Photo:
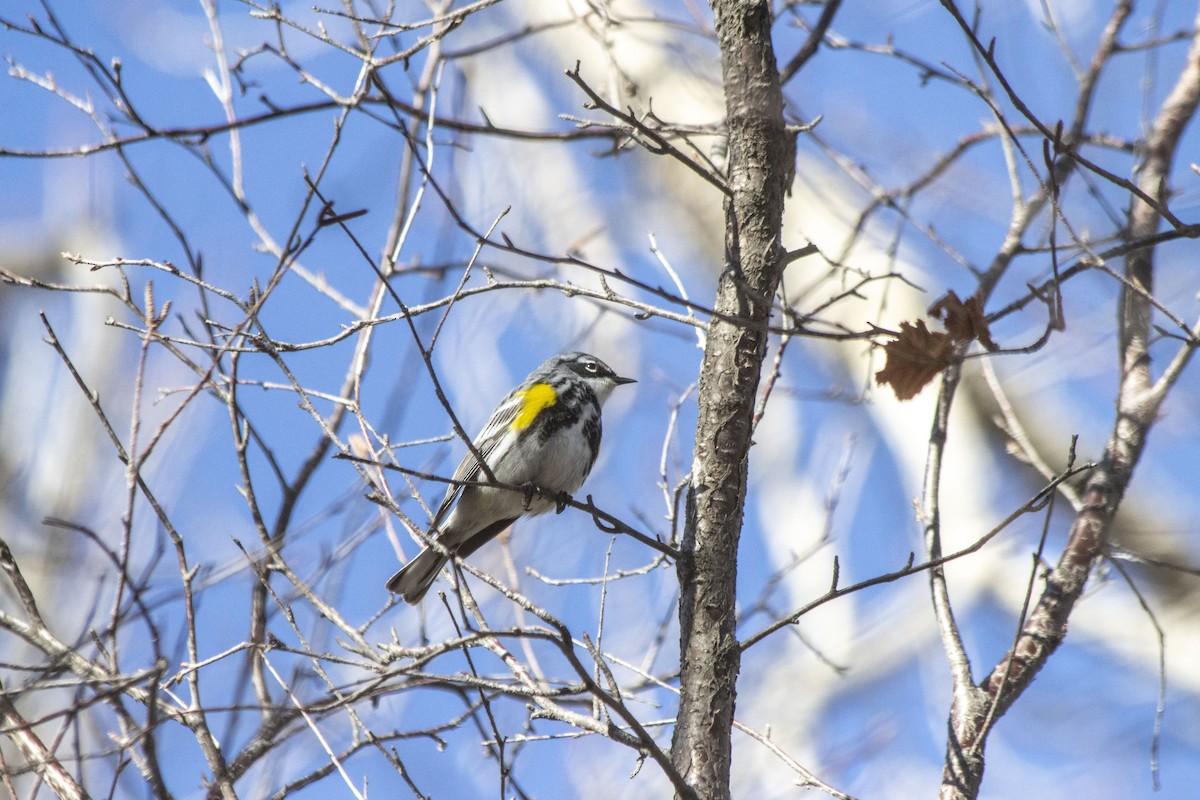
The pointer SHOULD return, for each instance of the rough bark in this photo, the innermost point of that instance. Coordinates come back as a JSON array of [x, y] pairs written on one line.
[[1138, 402], [733, 356]]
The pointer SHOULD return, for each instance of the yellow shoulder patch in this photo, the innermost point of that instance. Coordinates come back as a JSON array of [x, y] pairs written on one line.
[[533, 400]]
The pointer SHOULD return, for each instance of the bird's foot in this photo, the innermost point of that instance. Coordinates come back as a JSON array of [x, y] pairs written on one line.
[[561, 499], [530, 490]]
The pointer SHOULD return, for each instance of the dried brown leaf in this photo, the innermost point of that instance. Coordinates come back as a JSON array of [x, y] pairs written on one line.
[[964, 321], [914, 358]]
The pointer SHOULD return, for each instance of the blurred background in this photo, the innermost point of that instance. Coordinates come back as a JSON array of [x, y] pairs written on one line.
[[117, 146]]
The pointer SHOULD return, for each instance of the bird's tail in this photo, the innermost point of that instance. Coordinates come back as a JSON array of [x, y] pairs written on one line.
[[414, 580]]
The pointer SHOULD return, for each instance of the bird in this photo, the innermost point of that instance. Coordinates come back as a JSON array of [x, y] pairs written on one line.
[[543, 437]]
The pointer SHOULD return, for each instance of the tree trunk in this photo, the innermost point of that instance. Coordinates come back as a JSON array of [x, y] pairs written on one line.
[[733, 356]]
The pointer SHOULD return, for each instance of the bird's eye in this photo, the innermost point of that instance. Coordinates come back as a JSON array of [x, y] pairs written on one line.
[[591, 367]]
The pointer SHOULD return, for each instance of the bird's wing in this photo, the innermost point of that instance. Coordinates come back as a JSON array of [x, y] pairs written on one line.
[[485, 443]]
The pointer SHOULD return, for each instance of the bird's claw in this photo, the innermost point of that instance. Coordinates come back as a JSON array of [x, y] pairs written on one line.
[[561, 500]]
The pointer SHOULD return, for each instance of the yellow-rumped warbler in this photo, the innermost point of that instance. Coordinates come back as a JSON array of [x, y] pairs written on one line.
[[544, 434]]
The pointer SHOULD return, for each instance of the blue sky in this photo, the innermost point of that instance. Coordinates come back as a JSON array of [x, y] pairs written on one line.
[[859, 691]]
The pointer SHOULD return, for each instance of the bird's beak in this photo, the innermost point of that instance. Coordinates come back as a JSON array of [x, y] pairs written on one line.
[[618, 380]]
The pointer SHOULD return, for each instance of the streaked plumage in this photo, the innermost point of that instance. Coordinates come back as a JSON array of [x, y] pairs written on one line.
[[545, 432]]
